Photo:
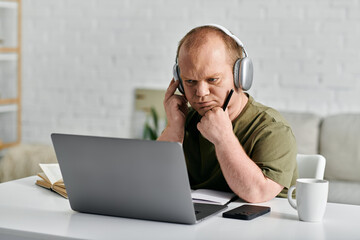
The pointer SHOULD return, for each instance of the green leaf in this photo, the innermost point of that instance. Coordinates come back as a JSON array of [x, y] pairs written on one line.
[[155, 117], [146, 134], [153, 134]]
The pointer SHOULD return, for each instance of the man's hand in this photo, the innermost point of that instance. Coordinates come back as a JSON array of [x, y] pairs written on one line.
[[242, 174], [176, 110], [216, 125]]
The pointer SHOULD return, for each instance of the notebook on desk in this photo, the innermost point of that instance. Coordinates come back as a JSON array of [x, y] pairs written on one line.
[[128, 178]]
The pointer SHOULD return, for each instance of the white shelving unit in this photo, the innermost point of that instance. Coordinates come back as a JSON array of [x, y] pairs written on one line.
[[10, 73]]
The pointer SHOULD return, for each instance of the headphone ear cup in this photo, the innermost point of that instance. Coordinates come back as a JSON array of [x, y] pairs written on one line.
[[181, 87], [236, 73], [243, 73], [176, 74]]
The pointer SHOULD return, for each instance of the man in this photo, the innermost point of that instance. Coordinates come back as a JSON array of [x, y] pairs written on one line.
[[248, 148]]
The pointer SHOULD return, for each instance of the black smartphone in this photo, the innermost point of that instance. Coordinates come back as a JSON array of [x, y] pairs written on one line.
[[246, 212]]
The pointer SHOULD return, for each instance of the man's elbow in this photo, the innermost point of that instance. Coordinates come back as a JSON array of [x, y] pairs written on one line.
[[260, 195], [258, 198]]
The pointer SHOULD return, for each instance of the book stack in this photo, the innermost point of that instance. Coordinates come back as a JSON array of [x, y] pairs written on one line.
[[51, 179]]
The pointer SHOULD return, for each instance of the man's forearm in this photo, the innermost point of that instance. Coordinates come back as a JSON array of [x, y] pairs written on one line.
[[171, 135], [243, 176]]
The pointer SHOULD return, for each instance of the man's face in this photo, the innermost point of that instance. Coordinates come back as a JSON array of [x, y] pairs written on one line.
[[207, 75]]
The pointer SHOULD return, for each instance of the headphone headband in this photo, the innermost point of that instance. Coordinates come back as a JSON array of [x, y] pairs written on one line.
[[227, 32]]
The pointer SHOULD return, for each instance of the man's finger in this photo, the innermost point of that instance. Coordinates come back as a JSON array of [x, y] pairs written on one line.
[[171, 89], [227, 112]]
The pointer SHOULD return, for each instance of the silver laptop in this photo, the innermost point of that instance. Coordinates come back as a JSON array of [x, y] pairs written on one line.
[[128, 178]]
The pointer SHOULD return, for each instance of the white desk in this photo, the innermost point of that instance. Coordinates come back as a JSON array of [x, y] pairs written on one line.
[[31, 212]]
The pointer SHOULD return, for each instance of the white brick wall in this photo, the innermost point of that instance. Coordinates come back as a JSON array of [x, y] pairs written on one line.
[[82, 59]]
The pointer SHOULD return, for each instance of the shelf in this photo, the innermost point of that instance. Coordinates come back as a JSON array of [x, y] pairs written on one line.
[[8, 108], [8, 50], [8, 57], [8, 4], [7, 145], [7, 101]]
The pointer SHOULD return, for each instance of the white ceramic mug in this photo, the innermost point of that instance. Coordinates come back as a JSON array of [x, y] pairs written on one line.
[[311, 198]]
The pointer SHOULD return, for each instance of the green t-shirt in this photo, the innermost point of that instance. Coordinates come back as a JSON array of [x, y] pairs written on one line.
[[266, 138]]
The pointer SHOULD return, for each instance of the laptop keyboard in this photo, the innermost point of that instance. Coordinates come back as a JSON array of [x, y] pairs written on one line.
[[205, 210]]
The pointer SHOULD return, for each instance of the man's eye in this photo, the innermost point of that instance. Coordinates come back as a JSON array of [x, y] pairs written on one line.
[[213, 79], [189, 81]]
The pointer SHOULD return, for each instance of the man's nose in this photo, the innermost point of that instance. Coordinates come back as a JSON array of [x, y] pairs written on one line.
[[202, 89]]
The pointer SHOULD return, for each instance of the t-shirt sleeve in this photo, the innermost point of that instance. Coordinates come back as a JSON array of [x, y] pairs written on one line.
[[274, 151]]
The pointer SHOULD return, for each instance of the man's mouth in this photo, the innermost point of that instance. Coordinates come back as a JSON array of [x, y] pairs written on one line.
[[205, 104]]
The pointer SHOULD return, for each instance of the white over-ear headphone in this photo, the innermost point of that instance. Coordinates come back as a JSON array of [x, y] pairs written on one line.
[[243, 67]]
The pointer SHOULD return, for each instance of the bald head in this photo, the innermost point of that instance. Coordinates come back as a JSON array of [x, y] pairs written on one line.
[[199, 36]]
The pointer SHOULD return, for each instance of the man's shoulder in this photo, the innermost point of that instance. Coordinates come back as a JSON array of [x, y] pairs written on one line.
[[257, 111], [259, 120]]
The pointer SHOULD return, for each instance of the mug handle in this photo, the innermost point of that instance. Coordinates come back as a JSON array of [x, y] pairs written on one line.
[[290, 199]]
